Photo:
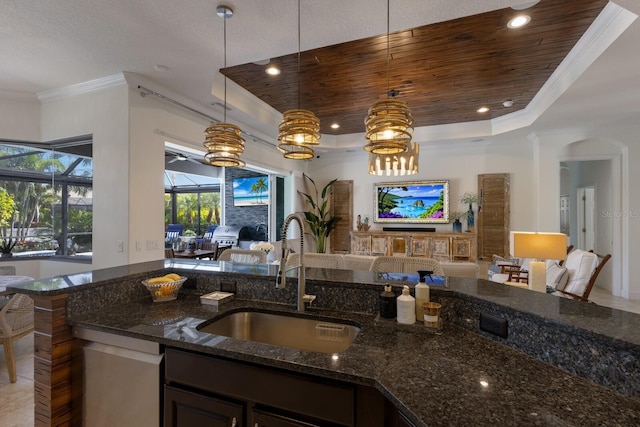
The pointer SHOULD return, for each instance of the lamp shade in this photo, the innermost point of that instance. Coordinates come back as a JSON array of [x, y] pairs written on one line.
[[526, 244]]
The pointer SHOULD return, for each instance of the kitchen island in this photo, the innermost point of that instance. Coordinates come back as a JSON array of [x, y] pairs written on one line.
[[456, 376]]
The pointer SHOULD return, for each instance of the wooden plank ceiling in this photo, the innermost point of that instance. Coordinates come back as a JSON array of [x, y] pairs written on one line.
[[444, 71]]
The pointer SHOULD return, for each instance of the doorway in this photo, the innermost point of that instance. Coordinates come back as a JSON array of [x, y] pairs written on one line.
[[586, 217]]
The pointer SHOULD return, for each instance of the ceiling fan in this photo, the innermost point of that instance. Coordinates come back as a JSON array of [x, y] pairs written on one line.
[[180, 157]]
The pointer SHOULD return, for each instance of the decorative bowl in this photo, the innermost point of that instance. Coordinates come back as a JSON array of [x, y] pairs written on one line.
[[165, 291]]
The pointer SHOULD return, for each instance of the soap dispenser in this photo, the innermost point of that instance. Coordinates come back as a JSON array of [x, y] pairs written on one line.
[[406, 307], [422, 296], [388, 303]]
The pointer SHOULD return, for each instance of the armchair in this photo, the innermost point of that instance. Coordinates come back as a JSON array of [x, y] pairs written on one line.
[[583, 269]]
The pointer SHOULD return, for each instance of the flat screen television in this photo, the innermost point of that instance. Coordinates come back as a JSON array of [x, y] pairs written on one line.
[[412, 202], [251, 191]]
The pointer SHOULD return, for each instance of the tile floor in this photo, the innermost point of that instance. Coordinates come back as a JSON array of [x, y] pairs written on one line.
[[16, 409], [17, 398]]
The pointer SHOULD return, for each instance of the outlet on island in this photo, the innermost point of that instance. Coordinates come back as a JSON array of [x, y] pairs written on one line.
[[494, 325]]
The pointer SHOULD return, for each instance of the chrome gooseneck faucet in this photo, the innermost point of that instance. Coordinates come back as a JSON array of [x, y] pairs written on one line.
[[282, 270]]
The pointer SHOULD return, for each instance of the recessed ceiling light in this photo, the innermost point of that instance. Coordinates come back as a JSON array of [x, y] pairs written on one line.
[[273, 70], [335, 125], [482, 109], [262, 61], [519, 21], [508, 103]]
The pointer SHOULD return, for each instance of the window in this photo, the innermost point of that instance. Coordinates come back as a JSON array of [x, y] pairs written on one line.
[[192, 201], [47, 189]]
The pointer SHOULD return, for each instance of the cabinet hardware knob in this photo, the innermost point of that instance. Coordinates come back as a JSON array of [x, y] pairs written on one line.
[[234, 422]]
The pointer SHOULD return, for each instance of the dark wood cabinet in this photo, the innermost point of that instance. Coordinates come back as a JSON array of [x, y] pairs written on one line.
[[220, 390], [203, 390], [183, 408]]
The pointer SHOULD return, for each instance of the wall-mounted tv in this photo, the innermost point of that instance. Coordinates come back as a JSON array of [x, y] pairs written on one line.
[[251, 191], [412, 202]]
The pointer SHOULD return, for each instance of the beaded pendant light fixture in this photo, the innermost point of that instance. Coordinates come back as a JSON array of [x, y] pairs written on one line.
[[389, 123], [299, 130], [224, 142]]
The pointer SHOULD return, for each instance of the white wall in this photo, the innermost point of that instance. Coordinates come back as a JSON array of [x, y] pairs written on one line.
[[104, 114], [19, 116]]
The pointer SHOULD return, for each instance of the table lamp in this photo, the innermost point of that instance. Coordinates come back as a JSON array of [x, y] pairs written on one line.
[[539, 246]]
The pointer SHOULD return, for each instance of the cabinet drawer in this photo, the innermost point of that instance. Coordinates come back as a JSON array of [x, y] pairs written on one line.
[[311, 396]]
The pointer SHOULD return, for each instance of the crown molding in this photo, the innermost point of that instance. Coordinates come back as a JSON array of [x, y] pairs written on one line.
[[81, 88]]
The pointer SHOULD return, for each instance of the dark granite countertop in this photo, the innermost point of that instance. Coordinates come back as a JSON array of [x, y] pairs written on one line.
[[449, 377], [457, 376]]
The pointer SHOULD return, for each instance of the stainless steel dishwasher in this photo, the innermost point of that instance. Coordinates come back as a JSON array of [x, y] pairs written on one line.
[[121, 380]]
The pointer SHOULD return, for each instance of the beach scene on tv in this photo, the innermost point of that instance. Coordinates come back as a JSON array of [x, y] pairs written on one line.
[[251, 191], [412, 201]]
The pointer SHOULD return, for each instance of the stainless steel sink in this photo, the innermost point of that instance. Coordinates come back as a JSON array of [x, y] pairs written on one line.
[[301, 333]]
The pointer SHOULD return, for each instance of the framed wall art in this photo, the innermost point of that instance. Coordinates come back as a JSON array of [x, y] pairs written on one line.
[[417, 202]]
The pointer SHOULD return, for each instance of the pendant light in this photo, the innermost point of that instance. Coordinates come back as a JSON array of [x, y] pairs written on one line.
[[389, 123], [299, 130], [224, 140]]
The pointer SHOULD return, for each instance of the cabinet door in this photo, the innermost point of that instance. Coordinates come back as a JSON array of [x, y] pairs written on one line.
[[261, 418], [420, 247], [360, 245], [186, 409], [441, 248], [380, 245], [461, 249], [399, 246]]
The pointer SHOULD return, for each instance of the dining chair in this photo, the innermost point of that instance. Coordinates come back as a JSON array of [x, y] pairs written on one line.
[[16, 321], [210, 246], [168, 253]]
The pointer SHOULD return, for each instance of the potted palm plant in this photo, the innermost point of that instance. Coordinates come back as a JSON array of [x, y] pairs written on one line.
[[319, 219]]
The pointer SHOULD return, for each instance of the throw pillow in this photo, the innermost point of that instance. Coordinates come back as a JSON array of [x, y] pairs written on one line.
[[556, 276]]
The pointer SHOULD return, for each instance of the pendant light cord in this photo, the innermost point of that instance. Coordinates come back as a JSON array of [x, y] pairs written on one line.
[[224, 38], [298, 55], [388, 53]]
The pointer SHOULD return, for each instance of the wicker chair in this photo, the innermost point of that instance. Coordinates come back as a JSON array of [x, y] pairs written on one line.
[[245, 256], [392, 264], [318, 260], [16, 321]]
